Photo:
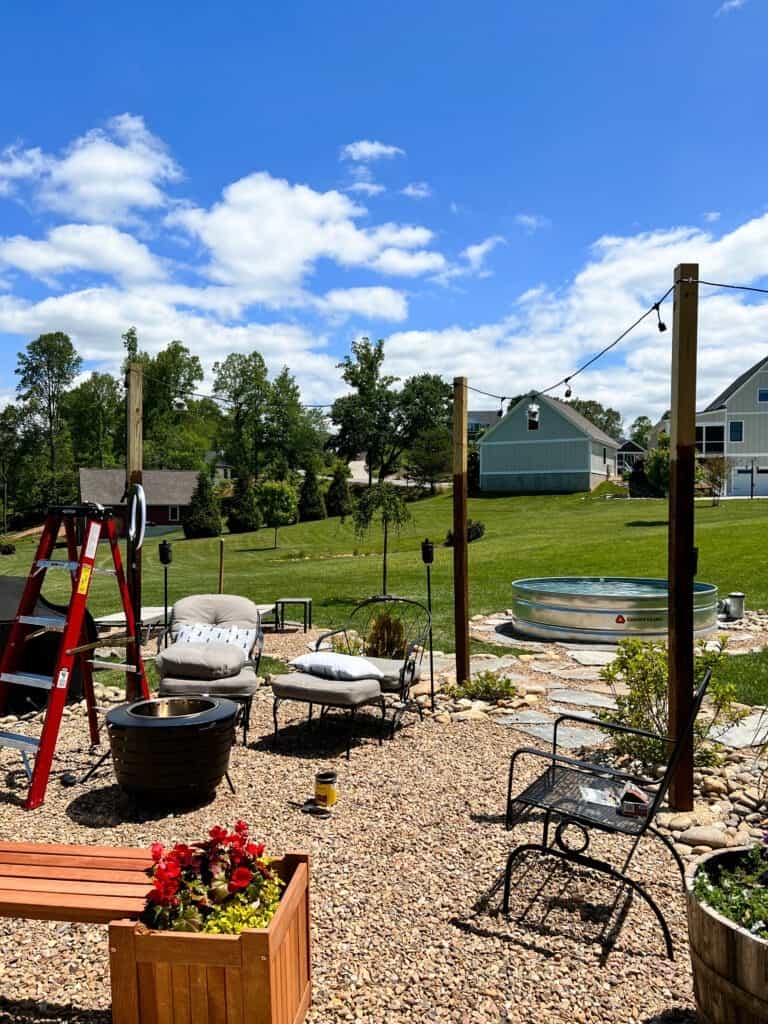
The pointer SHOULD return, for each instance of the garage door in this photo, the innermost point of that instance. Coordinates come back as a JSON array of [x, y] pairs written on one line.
[[741, 482]]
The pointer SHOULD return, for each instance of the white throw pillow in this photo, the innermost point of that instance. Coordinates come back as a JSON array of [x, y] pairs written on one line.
[[330, 665], [205, 634]]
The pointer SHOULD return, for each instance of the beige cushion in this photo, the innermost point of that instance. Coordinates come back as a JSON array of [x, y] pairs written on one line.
[[390, 669], [245, 682], [201, 661], [215, 610], [348, 693]]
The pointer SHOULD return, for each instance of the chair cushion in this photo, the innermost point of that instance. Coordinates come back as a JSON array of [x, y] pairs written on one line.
[[390, 669], [329, 665], [348, 693], [201, 661], [215, 610], [200, 633], [245, 682]]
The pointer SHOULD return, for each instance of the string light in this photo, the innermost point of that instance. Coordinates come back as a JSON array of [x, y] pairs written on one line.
[[568, 388], [661, 325]]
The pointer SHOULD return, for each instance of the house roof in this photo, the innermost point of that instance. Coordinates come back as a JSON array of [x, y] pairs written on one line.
[[628, 445], [585, 425], [722, 398], [161, 486], [486, 417]]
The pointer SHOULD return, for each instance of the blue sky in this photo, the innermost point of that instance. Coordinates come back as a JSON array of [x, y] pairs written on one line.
[[497, 189]]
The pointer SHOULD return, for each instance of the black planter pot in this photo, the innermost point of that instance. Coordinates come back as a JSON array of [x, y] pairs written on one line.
[[174, 750]]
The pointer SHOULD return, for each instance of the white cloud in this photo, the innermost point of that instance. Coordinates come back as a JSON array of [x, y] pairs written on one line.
[[366, 151], [366, 188], [417, 190], [376, 303], [728, 6], [409, 264], [532, 222], [712, 216], [73, 247], [18, 164], [475, 254]]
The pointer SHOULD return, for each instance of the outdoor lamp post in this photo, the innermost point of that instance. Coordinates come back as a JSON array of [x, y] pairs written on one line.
[[165, 551], [428, 557]]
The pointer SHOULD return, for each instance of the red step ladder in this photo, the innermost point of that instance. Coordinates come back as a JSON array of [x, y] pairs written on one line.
[[98, 522]]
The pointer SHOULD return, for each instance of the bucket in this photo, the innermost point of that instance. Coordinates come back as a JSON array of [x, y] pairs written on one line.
[[326, 789], [736, 605]]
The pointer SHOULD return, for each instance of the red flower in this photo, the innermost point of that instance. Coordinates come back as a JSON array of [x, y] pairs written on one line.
[[241, 827], [218, 834], [255, 849], [156, 850], [241, 879]]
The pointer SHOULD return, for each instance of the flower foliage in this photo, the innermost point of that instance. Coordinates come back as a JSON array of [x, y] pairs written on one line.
[[741, 893], [223, 884]]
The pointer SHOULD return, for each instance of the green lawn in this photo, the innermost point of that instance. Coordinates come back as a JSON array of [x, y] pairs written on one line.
[[749, 673], [525, 536]]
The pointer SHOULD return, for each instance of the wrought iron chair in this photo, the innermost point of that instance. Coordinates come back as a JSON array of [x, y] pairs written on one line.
[[396, 651], [559, 792]]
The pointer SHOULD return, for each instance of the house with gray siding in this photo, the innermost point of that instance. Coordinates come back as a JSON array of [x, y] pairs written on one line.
[[544, 446], [734, 426]]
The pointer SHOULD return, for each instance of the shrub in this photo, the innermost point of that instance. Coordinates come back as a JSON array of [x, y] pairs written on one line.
[[484, 686], [311, 504], [244, 515], [202, 518], [386, 637], [741, 893], [475, 531], [643, 667], [338, 500], [7, 549]]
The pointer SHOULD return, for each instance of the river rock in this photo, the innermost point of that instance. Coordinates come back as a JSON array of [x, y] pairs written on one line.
[[704, 835]]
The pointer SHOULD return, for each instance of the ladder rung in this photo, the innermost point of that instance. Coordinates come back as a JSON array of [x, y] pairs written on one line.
[[117, 666], [42, 620], [105, 572], [13, 739], [27, 679], [55, 563]]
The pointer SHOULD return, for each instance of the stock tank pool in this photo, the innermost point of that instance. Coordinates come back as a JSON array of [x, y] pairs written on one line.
[[603, 609]]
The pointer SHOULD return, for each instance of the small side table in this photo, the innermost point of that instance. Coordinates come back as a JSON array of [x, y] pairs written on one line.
[[280, 605]]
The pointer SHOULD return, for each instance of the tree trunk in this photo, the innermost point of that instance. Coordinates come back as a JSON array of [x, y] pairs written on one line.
[[276, 536], [384, 567], [5, 505]]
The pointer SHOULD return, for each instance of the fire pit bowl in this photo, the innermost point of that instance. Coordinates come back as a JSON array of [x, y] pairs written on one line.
[[173, 750]]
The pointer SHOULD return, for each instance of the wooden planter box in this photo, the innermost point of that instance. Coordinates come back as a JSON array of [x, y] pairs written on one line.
[[261, 976], [730, 965]]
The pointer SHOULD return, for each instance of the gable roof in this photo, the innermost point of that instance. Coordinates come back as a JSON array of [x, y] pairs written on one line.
[[582, 424], [485, 417], [628, 445], [162, 486], [722, 398]]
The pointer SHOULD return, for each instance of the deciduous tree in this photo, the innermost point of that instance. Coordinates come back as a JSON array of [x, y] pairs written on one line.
[[385, 503]]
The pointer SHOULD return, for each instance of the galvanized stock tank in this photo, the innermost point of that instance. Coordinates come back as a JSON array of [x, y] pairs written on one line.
[[603, 609]]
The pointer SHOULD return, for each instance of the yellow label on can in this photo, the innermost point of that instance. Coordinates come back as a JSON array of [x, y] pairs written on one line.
[[326, 794], [85, 576]]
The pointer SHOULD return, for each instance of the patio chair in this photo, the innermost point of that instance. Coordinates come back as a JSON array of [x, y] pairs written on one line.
[[560, 792], [390, 633], [215, 650]]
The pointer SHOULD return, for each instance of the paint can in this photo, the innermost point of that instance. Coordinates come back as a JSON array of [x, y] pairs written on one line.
[[326, 789]]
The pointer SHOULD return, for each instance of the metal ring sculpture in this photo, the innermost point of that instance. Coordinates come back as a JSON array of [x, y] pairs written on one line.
[[137, 516]]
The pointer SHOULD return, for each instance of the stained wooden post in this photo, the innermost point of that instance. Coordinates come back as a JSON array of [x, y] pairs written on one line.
[[681, 556], [460, 542], [221, 565], [134, 475]]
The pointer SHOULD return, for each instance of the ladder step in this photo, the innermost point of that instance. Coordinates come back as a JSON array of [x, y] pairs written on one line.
[[26, 743], [54, 563], [42, 620], [113, 665], [27, 679], [105, 572]]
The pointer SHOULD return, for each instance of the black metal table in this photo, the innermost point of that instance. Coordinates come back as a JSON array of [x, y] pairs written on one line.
[[304, 602]]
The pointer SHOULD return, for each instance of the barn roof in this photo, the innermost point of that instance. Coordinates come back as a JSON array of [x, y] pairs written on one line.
[[161, 486]]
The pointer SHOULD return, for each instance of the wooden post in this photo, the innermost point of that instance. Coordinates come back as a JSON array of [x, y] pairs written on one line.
[[460, 543], [134, 475], [681, 557], [221, 565]]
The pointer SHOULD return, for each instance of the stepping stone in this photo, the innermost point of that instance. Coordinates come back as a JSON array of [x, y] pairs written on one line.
[[567, 736], [525, 718], [548, 667], [583, 698], [489, 663], [593, 657], [588, 672], [610, 648], [752, 731]]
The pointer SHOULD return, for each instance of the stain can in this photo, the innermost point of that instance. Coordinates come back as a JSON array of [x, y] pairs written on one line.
[[326, 789]]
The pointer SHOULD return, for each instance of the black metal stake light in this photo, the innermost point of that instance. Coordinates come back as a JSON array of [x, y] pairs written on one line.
[[165, 550], [428, 557]]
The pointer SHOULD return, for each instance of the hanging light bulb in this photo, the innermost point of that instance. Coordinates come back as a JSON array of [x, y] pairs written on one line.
[[568, 391], [661, 325], [502, 400]]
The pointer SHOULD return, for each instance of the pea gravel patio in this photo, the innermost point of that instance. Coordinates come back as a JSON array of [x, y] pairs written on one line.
[[405, 913]]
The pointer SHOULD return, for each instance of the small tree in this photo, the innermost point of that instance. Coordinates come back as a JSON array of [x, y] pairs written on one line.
[[715, 471], [202, 518], [429, 459], [278, 503], [385, 503], [338, 500], [244, 515], [311, 504]]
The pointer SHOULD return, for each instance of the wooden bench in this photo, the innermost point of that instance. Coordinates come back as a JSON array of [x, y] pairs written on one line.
[[87, 884]]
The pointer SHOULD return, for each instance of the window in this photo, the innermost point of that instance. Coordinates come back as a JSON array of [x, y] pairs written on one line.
[[605, 454], [736, 431], [710, 440], [762, 394], [173, 514]]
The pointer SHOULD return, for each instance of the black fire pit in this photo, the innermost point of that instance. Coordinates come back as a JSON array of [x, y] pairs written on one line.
[[173, 750]]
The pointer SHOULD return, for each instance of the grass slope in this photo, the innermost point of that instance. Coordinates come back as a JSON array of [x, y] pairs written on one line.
[[525, 536]]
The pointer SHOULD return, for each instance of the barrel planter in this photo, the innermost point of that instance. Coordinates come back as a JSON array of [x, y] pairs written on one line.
[[730, 965], [261, 976]]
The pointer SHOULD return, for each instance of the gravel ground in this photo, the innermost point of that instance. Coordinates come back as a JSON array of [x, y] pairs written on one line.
[[405, 899]]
